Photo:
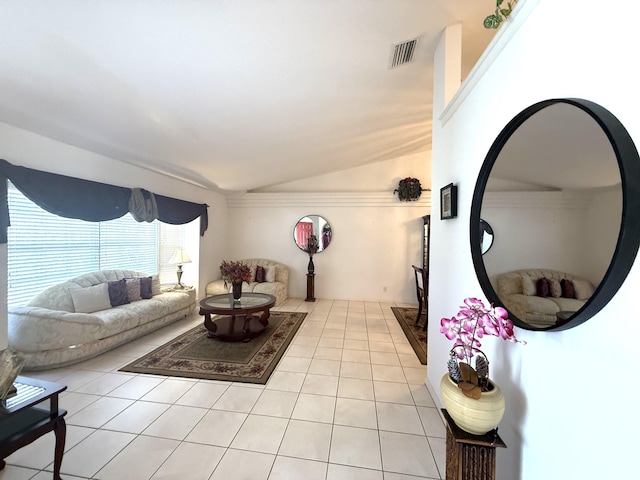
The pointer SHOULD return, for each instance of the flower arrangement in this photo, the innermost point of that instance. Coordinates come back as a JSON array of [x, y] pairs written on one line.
[[467, 327], [409, 189], [235, 272], [312, 245]]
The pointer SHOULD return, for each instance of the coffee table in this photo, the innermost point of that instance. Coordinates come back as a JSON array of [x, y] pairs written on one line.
[[237, 320]]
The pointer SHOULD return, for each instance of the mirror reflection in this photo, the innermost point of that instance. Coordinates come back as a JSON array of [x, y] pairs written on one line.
[[312, 225], [554, 192], [486, 236]]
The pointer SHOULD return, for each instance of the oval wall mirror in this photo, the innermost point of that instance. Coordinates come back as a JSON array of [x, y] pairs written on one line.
[[561, 182], [486, 236], [312, 225]]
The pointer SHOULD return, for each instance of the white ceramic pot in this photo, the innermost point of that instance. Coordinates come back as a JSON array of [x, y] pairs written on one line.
[[473, 416]]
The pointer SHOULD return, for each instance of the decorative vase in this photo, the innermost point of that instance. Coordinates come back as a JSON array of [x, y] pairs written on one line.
[[311, 267], [474, 416], [236, 288]]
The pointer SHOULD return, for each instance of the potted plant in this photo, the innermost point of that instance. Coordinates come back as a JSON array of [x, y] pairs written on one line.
[[494, 20], [409, 189], [475, 403], [235, 272]]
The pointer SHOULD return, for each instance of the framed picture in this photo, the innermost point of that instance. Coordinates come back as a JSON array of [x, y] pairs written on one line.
[[448, 202]]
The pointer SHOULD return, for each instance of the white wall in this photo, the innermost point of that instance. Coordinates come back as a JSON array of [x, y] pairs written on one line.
[[558, 425], [23, 148], [376, 238]]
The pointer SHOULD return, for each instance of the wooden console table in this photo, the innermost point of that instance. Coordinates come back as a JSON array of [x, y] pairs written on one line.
[[470, 457], [23, 418]]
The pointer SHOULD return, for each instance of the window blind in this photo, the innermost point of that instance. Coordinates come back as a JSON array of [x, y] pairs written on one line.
[[45, 249]]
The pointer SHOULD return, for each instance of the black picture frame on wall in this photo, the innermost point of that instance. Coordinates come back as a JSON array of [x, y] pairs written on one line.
[[448, 202]]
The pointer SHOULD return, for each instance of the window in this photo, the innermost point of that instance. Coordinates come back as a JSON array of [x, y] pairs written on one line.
[[45, 249]]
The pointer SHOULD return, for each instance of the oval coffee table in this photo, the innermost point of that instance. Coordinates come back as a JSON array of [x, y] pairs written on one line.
[[237, 320]]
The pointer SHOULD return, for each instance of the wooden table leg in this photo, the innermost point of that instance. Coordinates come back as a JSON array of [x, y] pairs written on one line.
[[60, 431]]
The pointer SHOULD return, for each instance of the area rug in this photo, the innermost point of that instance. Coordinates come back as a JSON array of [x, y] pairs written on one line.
[[194, 355], [417, 338]]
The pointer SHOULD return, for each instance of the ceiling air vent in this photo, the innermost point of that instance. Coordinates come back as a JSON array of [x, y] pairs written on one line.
[[402, 53]]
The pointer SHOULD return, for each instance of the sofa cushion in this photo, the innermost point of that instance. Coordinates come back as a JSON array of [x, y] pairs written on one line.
[[156, 288], [118, 292], [583, 289], [146, 288], [568, 290], [555, 290], [270, 273], [91, 299], [260, 274], [542, 287], [133, 289], [528, 285]]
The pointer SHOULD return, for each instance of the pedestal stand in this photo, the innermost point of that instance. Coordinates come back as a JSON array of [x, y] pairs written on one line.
[[310, 286], [470, 457]]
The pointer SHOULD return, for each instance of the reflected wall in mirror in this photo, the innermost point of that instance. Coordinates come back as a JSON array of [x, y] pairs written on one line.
[[486, 236], [312, 225], [562, 185]]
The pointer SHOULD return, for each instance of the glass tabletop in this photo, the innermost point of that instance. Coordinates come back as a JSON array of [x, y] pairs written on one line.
[[248, 300]]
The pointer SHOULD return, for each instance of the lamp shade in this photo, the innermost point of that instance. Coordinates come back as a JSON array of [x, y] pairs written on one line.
[[179, 257]]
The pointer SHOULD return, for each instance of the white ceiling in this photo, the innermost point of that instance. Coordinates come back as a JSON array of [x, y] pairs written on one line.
[[229, 94]]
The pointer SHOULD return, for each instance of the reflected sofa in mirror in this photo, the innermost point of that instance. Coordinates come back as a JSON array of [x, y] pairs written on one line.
[[561, 184], [312, 225], [486, 236]]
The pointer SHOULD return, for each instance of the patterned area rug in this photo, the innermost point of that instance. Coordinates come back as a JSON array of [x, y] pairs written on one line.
[[194, 355], [406, 318]]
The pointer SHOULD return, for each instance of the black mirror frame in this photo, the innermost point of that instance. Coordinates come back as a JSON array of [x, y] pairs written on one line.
[[629, 237]]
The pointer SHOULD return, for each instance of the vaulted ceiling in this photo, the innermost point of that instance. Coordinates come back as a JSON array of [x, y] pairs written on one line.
[[232, 95]]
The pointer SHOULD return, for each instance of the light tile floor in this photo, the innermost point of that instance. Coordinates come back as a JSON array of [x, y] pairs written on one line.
[[346, 402]]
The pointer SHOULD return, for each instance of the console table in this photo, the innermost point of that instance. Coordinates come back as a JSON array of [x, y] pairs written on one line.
[[25, 417], [470, 457]]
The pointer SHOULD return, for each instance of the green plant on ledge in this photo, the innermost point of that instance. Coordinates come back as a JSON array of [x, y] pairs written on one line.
[[501, 14]]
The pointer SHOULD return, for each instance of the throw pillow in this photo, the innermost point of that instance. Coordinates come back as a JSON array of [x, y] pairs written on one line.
[[583, 289], [567, 288], [270, 273], [118, 292], [156, 289], [542, 287], [146, 290], [528, 285], [133, 289], [555, 290], [91, 299], [260, 274], [252, 271]]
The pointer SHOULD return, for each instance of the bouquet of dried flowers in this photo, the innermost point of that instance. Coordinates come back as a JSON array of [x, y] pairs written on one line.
[[409, 189], [312, 245], [467, 327], [235, 272]]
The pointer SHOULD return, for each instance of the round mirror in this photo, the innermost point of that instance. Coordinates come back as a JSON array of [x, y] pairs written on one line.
[[486, 236], [562, 184], [312, 225]]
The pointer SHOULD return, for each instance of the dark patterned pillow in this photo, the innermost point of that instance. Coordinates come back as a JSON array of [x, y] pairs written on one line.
[[118, 292], [145, 287], [568, 291], [260, 274], [542, 287]]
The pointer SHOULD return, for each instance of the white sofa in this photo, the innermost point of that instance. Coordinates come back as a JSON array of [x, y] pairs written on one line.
[[518, 292], [57, 327], [278, 285]]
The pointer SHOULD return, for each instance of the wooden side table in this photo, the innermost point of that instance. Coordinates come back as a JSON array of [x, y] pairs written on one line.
[[470, 457], [23, 418]]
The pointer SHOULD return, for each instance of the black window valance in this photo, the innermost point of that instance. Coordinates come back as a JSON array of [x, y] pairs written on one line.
[[92, 201]]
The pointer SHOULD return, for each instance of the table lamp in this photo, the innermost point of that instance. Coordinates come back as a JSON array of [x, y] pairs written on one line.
[[180, 256]]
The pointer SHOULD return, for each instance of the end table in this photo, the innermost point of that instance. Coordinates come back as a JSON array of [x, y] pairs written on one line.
[[470, 457], [24, 418]]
